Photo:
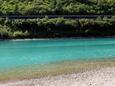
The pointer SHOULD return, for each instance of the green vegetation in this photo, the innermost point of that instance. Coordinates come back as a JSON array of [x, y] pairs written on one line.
[[34, 7], [57, 27], [4, 32]]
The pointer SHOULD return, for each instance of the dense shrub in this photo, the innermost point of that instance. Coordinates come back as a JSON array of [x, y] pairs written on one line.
[[5, 32], [57, 27], [33, 7], [20, 34]]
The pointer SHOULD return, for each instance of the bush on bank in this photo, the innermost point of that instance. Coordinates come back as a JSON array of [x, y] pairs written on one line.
[[57, 27]]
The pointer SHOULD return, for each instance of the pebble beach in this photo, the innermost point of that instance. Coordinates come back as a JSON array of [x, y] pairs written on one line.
[[101, 77]]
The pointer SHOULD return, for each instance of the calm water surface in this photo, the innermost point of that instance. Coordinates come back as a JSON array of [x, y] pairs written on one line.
[[15, 53]]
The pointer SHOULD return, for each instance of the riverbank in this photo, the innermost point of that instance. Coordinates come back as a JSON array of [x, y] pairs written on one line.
[[102, 77], [32, 73], [57, 38]]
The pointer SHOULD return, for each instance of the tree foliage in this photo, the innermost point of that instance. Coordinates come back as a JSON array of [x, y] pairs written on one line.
[[57, 27], [35, 7]]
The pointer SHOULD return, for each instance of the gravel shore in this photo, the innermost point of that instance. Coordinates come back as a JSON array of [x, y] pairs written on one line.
[[102, 77]]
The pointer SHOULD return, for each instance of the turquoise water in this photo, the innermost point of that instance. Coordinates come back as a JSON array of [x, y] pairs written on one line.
[[15, 53]]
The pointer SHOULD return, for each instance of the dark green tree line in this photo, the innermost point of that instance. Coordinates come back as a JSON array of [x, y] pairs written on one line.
[[35, 7]]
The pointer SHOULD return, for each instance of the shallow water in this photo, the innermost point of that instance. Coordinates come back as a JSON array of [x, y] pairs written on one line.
[[17, 53]]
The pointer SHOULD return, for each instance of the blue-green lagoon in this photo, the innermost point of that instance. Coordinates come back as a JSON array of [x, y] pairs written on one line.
[[18, 53]]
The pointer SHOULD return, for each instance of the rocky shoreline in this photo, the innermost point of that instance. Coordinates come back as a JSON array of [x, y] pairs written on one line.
[[101, 77]]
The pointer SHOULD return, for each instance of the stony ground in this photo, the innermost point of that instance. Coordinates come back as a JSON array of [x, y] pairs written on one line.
[[102, 77]]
